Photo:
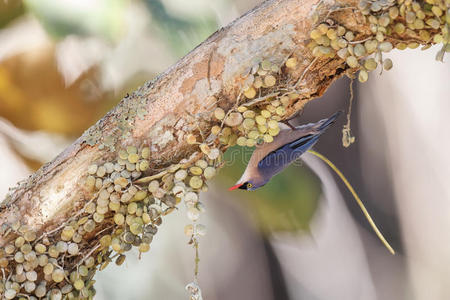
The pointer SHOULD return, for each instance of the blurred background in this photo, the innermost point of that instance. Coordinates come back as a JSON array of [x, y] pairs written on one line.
[[64, 64]]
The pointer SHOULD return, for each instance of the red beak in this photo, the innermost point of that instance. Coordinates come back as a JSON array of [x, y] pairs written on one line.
[[235, 186]]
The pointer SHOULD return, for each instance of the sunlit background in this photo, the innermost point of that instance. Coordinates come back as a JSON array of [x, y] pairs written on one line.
[[64, 64]]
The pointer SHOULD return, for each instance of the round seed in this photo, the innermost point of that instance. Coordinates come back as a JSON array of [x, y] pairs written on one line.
[[209, 172], [371, 45], [241, 109], [342, 43], [234, 119], [352, 62], [19, 258], [40, 291], [133, 158], [260, 120], [136, 228], [387, 64], [250, 142], [10, 294], [248, 124], [258, 83], [123, 154], [31, 257], [270, 80], [78, 284], [363, 76], [144, 165], [375, 6], [370, 64], [393, 12], [72, 249], [101, 171], [120, 259], [89, 226], [419, 24], [384, 20], [219, 113], [92, 169], [144, 247], [359, 50], [437, 11], [241, 141], [215, 130], [145, 152], [98, 218], [268, 138], [424, 35], [385, 46], [435, 24], [58, 275], [249, 114], [262, 128], [131, 150], [29, 286], [9, 249], [410, 17], [315, 34], [322, 28], [19, 241], [121, 181], [274, 132], [214, 153], [401, 46], [266, 65], [29, 236], [291, 63], [253, 134], [280, 111], [119, 219], [343, 53], [349, 36], [191, 139], [31, 275], [195, 182], [153, 186], [105, 241], [250, 93], [48, 269]]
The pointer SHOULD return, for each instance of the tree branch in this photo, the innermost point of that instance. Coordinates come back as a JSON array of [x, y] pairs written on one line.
[[284, 53]]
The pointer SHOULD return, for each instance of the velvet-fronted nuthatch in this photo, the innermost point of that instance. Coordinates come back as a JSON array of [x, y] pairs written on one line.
[[270, 159]]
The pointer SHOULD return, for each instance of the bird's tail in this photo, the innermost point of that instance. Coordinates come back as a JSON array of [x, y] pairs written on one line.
[[325, 123]]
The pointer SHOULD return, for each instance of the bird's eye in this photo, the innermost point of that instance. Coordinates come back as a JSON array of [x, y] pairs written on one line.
[[249, 185]]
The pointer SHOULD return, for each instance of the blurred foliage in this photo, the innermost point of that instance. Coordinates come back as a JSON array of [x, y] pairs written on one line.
[[9, 10], [287, 203], [104, 18], [182, 34], [34, 97]]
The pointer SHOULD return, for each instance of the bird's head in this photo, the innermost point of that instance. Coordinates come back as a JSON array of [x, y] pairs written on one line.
[[249, 185]]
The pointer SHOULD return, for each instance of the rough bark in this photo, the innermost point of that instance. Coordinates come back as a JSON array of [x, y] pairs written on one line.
[[181, 101]]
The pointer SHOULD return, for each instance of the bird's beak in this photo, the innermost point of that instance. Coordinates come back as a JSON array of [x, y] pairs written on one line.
[[235, 186]]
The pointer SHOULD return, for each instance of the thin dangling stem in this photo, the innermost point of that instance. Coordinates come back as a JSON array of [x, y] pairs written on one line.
[[358, 200]]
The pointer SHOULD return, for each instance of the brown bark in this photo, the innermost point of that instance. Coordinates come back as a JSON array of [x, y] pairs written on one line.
[[181, 100]]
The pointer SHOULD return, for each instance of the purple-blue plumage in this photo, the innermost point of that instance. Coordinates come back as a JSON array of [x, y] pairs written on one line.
[[270, 159]]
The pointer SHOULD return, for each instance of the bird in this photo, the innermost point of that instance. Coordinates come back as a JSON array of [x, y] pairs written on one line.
[[270, 159]]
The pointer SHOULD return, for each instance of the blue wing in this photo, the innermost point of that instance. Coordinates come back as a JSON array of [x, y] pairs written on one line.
[[279, 159]]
